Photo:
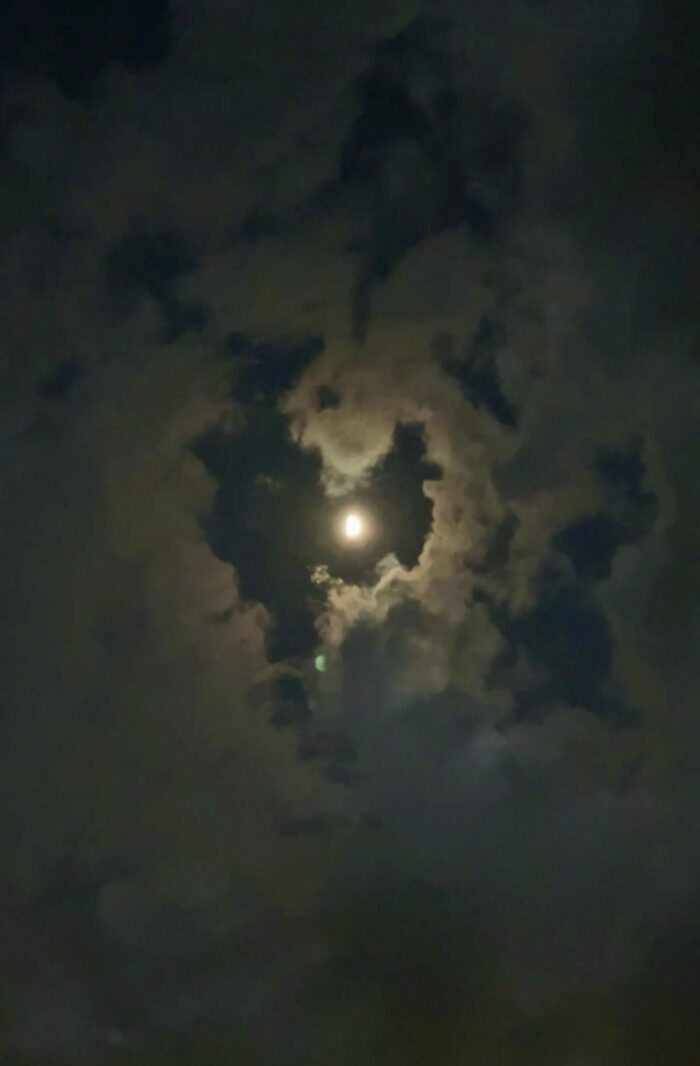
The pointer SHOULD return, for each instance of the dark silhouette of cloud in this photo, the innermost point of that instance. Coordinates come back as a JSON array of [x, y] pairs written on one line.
[[478, 374], [72, 43], [59, 381]]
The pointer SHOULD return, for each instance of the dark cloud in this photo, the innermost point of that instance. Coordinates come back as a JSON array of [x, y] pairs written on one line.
[[60, 380], [265, 371], [72, 44], [149, 264], [327, 397], [590, 543], [477, 373], [265, 799], [407, 165], [567, 636]]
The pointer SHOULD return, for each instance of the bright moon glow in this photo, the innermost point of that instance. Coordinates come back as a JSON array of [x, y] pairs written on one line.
[[353, 526]]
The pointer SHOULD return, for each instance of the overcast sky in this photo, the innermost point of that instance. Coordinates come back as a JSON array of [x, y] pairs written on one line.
[[269, 798]]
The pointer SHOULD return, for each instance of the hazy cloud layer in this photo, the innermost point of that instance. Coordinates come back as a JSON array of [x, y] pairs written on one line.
[[258, 262]]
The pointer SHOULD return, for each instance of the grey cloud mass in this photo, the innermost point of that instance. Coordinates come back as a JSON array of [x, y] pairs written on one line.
[[259, 263]]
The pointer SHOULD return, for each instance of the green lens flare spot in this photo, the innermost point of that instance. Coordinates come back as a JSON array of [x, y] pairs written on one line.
[[320, 663]]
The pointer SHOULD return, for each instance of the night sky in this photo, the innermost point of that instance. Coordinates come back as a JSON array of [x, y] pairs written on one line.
[[267, 797]]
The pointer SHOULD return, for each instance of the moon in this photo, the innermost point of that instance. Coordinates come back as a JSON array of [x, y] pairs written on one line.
[[353, 526]]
